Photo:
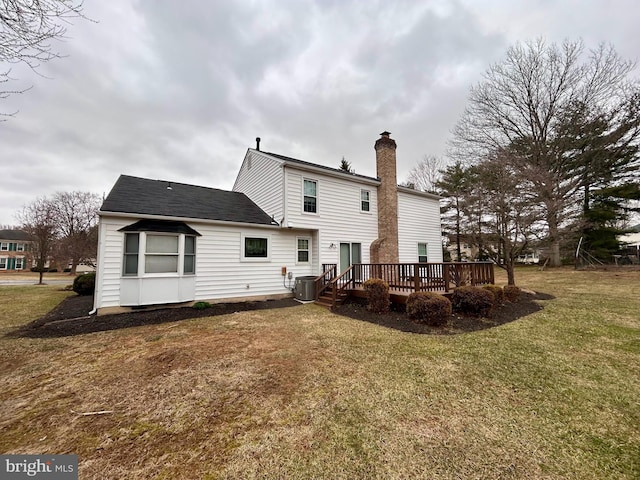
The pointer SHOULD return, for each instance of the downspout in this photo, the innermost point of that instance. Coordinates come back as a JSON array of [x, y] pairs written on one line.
[[96, 290], [283, 223]]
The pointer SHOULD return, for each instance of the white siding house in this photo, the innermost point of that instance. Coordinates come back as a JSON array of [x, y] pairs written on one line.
[[168, 243]]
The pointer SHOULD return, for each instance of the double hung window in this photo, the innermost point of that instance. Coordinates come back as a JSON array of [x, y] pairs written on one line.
[[422, 253], [365, 199], [310, 200], [303, 248]]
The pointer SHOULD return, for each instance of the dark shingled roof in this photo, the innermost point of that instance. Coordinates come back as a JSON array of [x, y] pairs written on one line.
[[309, 164], [159, 197], [14, 235]]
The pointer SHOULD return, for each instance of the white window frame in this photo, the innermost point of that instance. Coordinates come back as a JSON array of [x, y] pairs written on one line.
[[20, 247], [308, 250], [244, 258], [4, 260], [305, 179], [368, 200], [4, 247], [150, 255], [426, 250], [19, 263], [142, 255]]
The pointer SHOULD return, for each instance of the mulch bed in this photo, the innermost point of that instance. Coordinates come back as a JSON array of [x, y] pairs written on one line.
[[71, 317], [398, 320]]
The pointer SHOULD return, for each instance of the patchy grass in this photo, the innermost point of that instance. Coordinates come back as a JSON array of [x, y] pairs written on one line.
[[303, 393]]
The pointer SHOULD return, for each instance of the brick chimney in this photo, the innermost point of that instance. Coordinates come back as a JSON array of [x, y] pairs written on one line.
[[385, 248]]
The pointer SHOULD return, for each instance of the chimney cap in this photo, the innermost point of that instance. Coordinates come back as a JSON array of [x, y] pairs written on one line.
[[258, 143], [385, 134]]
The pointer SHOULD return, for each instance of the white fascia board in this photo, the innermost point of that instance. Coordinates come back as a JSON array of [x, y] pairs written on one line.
[[420, 193], [184, 219]]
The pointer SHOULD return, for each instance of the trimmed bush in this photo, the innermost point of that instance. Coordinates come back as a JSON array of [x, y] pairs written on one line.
[[377, 295], [201, 305], [497, 292], [474, 301], [512, 293], [85, 284], [429, 308]]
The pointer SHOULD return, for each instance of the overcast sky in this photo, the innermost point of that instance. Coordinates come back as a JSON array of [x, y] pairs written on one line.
[[178, 90]]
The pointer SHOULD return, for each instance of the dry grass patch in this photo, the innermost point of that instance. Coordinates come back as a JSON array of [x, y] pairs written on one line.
[[303, 393]]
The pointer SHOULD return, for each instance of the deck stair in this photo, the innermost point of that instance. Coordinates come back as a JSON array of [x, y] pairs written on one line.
[[325, 299]]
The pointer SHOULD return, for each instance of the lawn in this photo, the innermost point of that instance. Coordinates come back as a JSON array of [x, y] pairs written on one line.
[[303, 393]]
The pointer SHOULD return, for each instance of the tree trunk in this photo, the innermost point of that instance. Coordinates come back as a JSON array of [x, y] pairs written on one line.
[[511, 274], [41, 274], [554, 239]]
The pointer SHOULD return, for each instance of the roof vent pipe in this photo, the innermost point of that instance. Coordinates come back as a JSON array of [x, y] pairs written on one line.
[[258, 143]]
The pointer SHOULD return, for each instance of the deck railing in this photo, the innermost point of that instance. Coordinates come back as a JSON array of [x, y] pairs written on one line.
[[405, 278], [322, 281], [425, 277]]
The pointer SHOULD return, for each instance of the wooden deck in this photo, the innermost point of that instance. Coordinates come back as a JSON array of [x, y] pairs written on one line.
[[396, 296], [402, 278]]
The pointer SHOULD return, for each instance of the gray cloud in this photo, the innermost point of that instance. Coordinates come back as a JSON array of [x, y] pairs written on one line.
[[178, 90]]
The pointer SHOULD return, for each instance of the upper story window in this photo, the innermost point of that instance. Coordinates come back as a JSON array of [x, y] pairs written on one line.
[[365, 200], [20, 247], [4, 247], [310, 200], [422, 252], [303, 250]]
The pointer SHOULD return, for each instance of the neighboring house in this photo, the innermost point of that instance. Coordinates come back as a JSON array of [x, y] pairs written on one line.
[[162, 242], [15, 250]]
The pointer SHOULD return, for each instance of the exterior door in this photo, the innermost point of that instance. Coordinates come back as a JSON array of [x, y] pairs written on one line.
[[350, 253]]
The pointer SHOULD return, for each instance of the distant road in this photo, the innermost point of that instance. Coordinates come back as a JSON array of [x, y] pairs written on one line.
[[31, 281]]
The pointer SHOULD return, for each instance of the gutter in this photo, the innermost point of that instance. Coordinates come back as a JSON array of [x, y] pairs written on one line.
[[102, 213]]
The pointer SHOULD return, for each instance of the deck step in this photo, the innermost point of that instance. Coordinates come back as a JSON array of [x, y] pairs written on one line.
[[326, 300]]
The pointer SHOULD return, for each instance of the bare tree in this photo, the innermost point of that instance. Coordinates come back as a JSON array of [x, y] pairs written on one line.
[[521, 105], [426, 174], [38, 219], [76, 217], [27, 29], [508, 219]]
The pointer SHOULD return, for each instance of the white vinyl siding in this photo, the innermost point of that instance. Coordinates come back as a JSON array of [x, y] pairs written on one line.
[[339, 217], [220, 274], [418, 222], [261, 179]]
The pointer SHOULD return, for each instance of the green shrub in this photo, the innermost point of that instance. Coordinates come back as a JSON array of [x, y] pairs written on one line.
[[512, 293], [497, 292], [430, 308], [201, 305], [377, 295], [85, 284], [475, 301]]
